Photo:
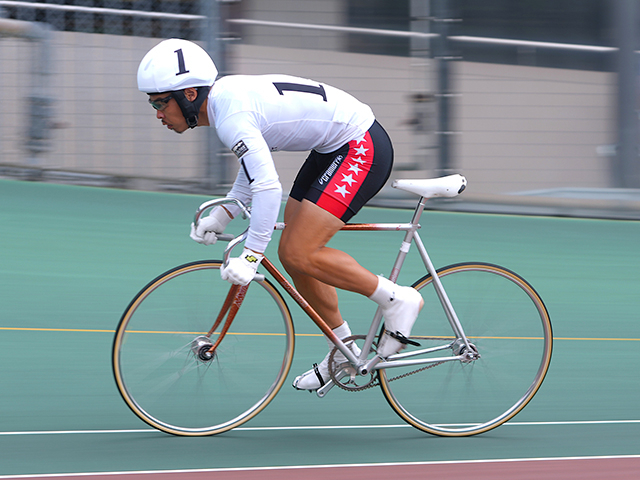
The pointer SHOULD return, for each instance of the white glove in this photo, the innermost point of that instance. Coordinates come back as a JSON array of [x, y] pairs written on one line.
[[208, 227], [241, 270]]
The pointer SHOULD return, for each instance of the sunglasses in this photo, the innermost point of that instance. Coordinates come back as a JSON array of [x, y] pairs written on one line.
[[160, 103]]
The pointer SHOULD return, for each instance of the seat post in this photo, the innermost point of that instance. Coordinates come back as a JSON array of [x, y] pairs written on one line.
[[418, 211]]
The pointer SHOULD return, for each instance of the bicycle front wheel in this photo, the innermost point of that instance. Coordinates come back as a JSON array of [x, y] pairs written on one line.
[[506, 321], [164, 380]]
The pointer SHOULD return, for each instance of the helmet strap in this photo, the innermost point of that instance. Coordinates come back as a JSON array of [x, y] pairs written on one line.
[[190, 110]]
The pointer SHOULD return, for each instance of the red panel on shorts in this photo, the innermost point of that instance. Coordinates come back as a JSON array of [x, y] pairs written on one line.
[[348, 178]]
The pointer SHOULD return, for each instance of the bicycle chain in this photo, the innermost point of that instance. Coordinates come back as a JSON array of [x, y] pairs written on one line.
[[372, 383], [377, 383]]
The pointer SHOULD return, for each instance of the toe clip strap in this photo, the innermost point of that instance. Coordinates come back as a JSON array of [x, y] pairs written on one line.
[[402, 339], [317, 372]]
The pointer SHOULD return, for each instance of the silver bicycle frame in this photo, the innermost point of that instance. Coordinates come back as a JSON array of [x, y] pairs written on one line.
[[399, 359], [376, 363]]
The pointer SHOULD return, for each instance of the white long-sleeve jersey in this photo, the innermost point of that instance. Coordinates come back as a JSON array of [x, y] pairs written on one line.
[[257, 115]]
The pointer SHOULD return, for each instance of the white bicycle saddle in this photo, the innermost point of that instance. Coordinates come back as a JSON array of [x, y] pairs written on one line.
[[449, 186]]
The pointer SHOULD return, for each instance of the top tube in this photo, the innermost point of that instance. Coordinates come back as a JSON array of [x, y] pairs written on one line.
[[448, 186]]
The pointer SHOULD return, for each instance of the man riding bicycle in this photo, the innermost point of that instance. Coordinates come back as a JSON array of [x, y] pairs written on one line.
[[350, 160]]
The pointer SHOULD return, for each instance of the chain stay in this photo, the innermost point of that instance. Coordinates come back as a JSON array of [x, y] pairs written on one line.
[[372, 383]]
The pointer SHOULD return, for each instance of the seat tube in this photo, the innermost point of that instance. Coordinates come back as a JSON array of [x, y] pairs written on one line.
[[393, 276], [406, 242], [440, 291]]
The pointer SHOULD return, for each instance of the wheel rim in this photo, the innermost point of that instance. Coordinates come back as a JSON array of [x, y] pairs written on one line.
[[454, 399], [159, 374]]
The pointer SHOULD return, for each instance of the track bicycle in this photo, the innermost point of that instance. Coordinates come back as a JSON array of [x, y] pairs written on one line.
[[194, 355]]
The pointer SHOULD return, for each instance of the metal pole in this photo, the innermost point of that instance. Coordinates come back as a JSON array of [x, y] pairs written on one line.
[[424, 105], [442, 54], [626, 172], [40, 102], [216, 181]]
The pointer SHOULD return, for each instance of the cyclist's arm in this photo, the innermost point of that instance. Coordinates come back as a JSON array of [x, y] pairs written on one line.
[[257, 181]]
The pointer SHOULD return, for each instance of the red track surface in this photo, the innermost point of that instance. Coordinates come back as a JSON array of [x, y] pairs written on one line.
[[569, 469]]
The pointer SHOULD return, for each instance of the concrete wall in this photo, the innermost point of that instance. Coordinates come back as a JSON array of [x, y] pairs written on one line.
[[518, 128], [101, 123], [528, 128], [322, 12]]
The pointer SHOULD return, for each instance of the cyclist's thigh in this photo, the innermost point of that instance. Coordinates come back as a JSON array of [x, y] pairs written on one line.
[[309, 227]]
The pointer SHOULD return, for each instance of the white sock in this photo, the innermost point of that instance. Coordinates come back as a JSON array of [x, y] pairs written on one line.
[[384, 293], [343, 331]]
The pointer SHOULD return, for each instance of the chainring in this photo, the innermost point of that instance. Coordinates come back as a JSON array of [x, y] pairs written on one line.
[[345, 376]]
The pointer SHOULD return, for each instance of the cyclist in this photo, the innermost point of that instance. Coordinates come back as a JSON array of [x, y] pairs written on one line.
[[350, 160]]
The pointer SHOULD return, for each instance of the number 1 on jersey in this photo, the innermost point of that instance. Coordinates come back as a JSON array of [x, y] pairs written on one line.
[[297, 87]]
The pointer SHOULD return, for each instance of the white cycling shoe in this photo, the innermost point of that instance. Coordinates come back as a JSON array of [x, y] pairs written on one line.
[[400, 309], [319, 375]]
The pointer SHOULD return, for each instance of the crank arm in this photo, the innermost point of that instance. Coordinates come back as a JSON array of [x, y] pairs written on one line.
[[323, 390]]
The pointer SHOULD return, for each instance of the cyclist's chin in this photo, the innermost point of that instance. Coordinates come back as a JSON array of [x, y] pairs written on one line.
[[179, 128]]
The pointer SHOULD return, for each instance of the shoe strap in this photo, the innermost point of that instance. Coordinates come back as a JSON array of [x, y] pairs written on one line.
[[317, 372], [402, 339]]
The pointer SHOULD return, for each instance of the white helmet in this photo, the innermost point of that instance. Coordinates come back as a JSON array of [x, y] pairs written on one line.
[[175, 64]]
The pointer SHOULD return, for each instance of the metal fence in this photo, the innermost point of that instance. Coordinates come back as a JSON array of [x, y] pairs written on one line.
[[91, 124], [543, 139]]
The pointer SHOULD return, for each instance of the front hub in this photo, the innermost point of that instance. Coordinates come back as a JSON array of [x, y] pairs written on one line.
[[200, 348]]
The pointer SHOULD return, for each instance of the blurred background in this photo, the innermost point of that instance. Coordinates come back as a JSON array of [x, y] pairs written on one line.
[[535, 101]]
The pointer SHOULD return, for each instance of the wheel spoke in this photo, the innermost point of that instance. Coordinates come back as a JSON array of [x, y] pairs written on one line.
[[158, 352], [508, 327]]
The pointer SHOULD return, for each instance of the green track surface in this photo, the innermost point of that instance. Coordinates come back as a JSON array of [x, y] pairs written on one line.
[[71, 259]]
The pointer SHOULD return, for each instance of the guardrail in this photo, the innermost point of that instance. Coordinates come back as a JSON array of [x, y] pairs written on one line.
[[406, 34], [310, 26], [101, 10]]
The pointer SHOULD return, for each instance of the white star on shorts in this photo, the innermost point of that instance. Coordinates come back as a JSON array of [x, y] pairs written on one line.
[[342, 190], [348, 179], [361, 139], [355, 169], [361, 150]]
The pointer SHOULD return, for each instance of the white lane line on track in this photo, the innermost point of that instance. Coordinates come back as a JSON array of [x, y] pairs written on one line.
[[309, 467], [319, 427]]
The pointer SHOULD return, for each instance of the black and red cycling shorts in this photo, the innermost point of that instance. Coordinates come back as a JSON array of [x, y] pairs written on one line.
[[341, 182]]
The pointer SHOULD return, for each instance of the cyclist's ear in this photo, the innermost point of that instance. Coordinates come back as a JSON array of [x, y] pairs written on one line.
[[191, 94]]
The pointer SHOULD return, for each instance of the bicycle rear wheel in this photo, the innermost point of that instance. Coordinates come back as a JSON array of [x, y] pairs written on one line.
[[159, 373], [506, 320]]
